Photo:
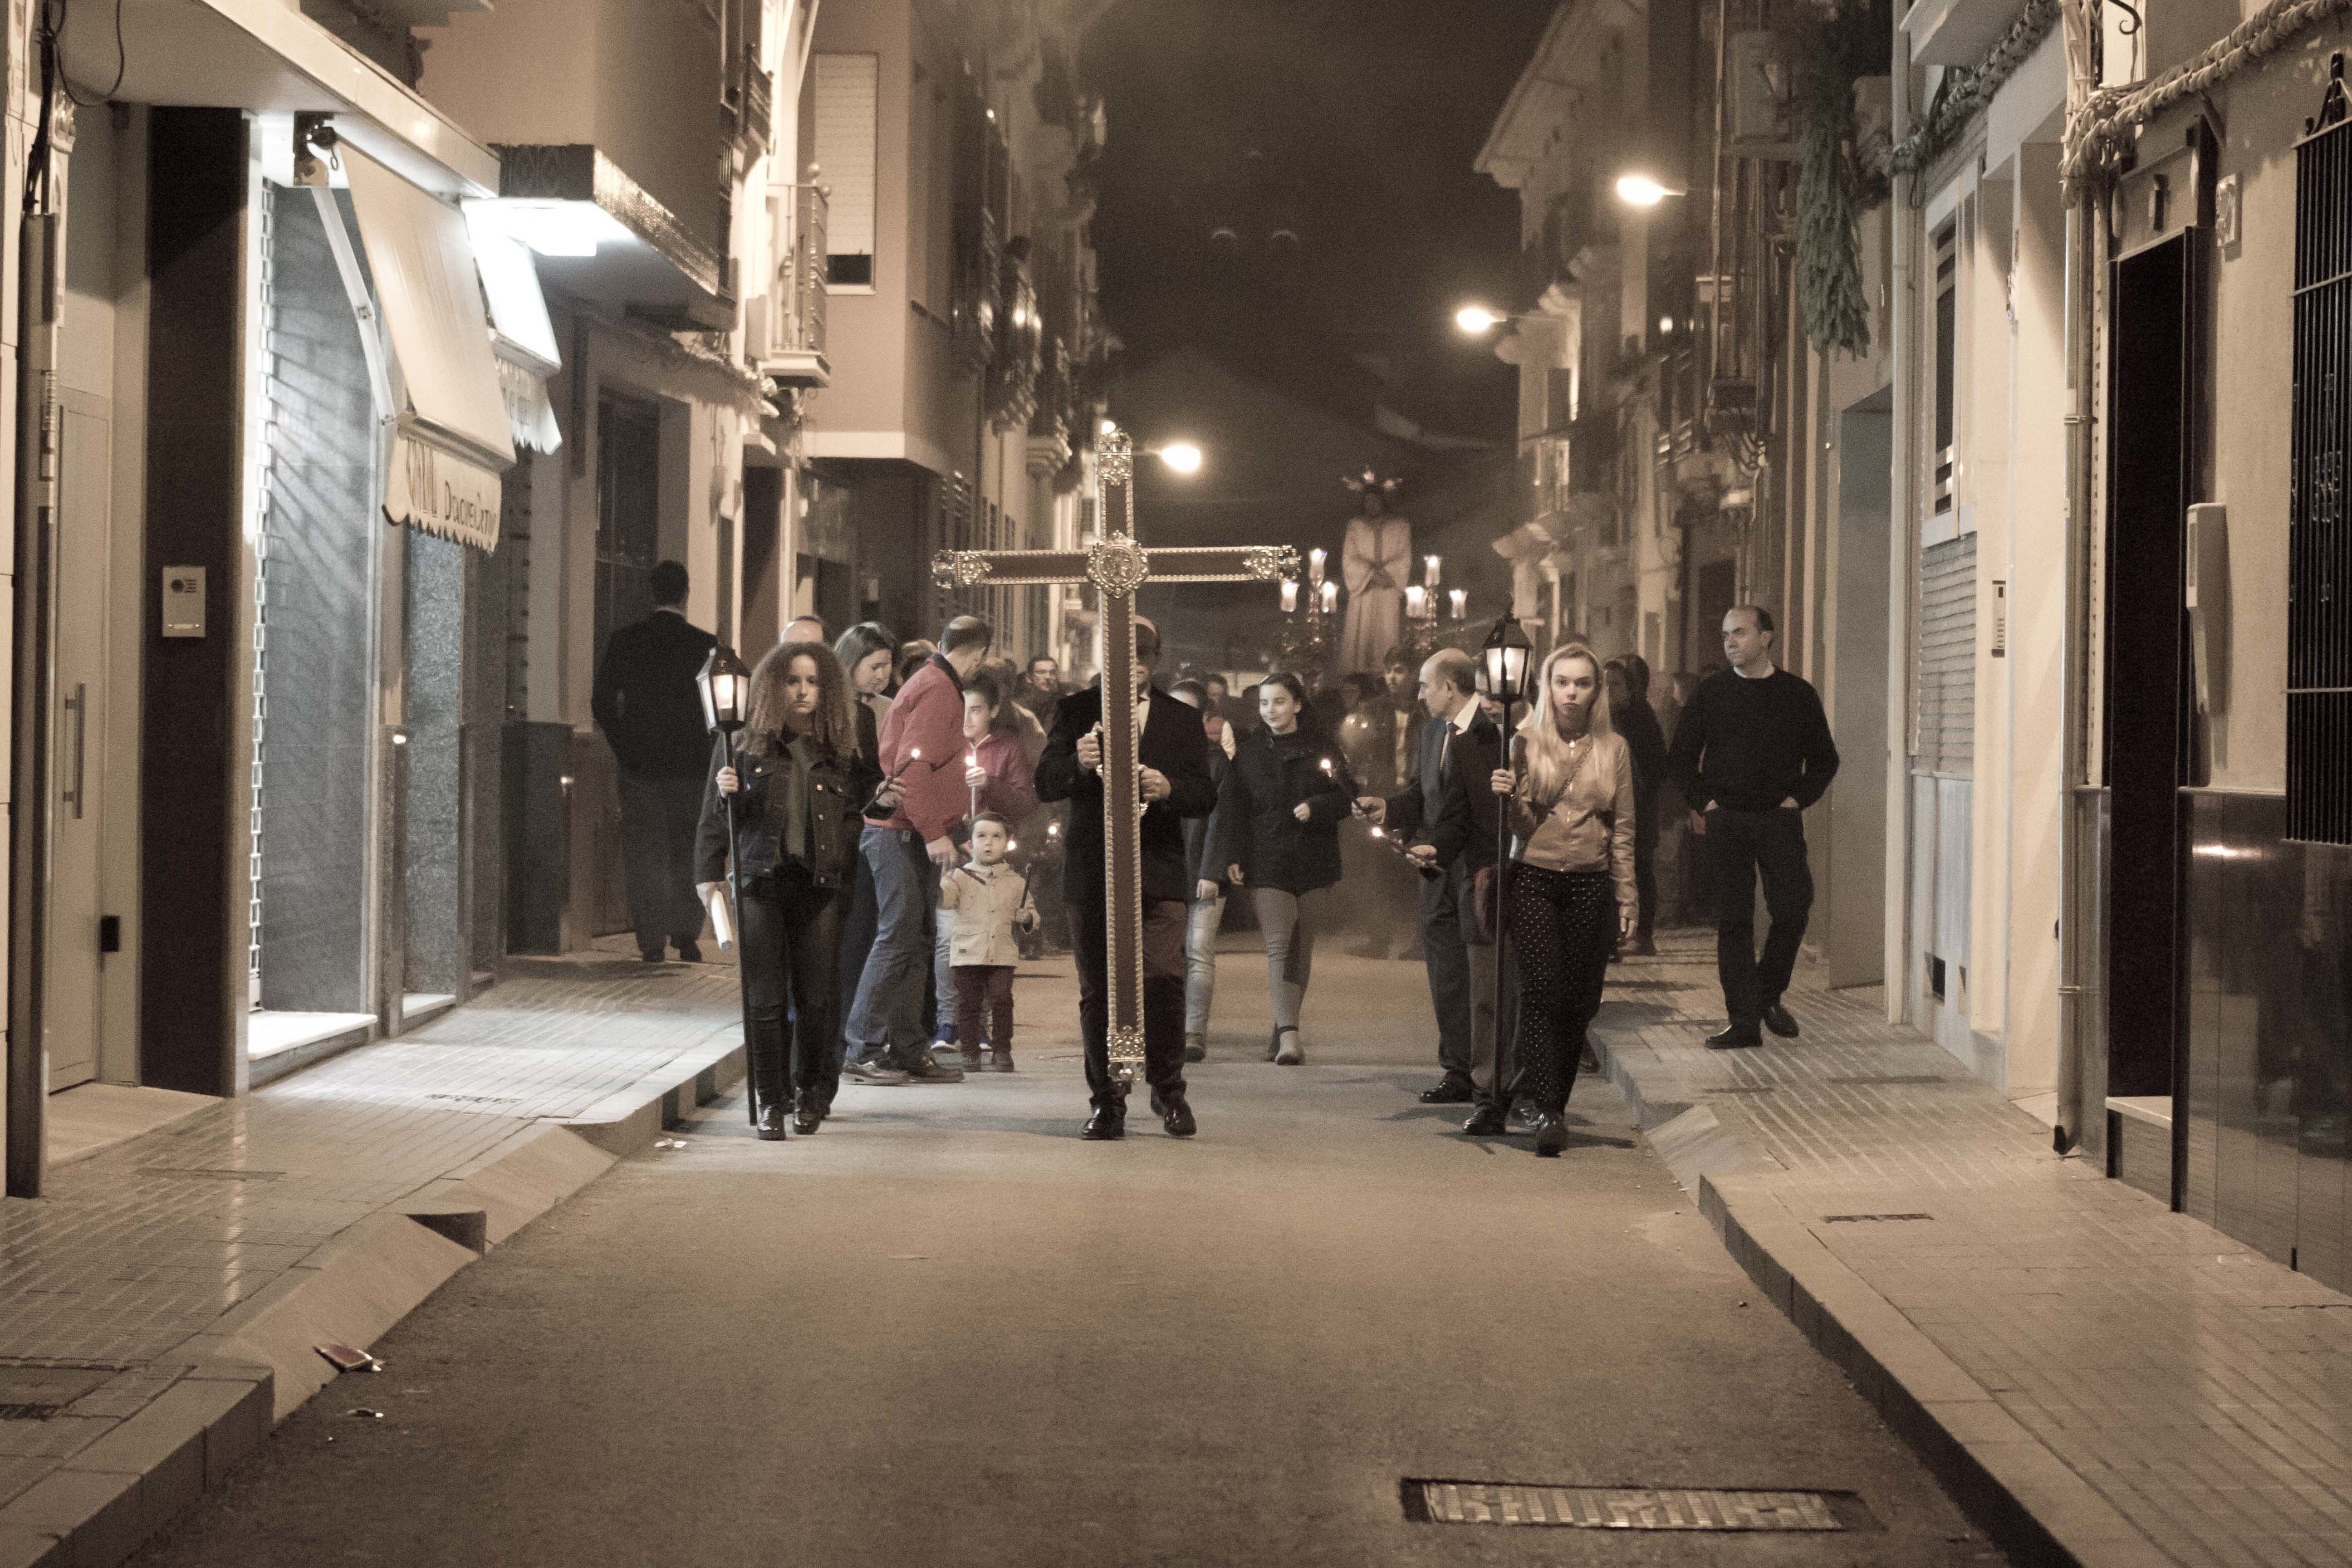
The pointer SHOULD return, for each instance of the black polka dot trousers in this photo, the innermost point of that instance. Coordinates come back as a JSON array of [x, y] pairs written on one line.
[[1562, 924]]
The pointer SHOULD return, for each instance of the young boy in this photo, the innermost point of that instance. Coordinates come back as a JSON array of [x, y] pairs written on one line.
[[991, 898]]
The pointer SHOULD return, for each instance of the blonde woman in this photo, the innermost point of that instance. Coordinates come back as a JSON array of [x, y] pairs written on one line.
[[1572, 898]]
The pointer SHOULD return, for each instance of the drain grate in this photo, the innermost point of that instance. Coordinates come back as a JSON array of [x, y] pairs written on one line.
[[208, 1175], [479, 1099], [28, 1412], [1870, 1218], [1433, 1502], [1898, 1080]]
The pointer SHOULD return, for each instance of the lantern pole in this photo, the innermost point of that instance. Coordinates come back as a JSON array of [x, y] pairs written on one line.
[[725, 687], [1506, 644]]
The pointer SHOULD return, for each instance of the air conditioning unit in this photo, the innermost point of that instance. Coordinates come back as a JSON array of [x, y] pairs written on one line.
[[759, 328]]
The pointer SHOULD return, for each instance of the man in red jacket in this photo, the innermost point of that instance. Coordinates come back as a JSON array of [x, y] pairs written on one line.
[[922, 748]]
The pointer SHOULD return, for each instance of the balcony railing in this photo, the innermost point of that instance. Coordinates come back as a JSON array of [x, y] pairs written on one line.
[[786, 326]]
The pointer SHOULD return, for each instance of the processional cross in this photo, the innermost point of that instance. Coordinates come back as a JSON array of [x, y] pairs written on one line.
[[1117, 564]]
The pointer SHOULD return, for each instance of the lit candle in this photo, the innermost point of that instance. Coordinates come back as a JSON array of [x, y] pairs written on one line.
[[1330, 593], [1314, 566], [1429, 570], [970, 761], [1461, 597], [1415, 598], [1289, 595]]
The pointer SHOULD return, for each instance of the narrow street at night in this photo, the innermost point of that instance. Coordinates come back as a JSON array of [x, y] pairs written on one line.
[[946, 1331]]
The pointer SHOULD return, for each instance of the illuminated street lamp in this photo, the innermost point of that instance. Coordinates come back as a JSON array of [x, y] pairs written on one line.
[[1643, 191], [1475, 320], [1181, 457]]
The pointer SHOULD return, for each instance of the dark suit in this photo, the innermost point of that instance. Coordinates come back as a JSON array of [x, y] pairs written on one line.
[[1448, 805], [1175, 743], [645, 702]]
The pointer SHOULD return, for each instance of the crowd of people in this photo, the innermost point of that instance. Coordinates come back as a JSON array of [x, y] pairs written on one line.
[[880, 793]]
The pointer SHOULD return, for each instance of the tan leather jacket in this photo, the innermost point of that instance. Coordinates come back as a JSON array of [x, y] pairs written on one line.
[[1588, 829]]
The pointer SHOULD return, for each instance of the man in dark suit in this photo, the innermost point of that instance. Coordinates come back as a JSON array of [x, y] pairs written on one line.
[[1444, 815], [1173, 756], [644, 701]]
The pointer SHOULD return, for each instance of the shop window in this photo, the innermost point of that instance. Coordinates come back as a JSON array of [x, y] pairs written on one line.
[[1948, 298]]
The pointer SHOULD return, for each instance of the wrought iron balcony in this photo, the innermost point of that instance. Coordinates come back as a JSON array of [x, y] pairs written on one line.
[[785, 328], [1020, 348]]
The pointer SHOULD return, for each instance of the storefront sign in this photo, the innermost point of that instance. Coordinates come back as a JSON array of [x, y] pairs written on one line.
[[442, 493]]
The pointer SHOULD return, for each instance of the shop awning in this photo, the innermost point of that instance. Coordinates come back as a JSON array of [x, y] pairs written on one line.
[[452, 441], [521, 336]]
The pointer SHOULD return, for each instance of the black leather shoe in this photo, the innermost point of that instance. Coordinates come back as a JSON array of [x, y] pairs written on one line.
[[1734, 1038], [1449, 1092], [1105, 1125], [921, 1067], [771, 1129], [687, 952], [807, 1120], [1552, 1136], [1487, 1121], [1176, 1116], [1777, 1019]]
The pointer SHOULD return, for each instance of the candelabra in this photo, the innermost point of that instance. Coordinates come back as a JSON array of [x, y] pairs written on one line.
[[1425, 631], [1309, 616]]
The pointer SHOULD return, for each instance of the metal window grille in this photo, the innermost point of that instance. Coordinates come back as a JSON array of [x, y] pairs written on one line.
[[2319, 541], [1947, 298]]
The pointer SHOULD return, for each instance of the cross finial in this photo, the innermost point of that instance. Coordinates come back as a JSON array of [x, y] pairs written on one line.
[[1118, 449]]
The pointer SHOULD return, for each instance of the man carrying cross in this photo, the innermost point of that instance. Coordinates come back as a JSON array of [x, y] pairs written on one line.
[[1172, 757]]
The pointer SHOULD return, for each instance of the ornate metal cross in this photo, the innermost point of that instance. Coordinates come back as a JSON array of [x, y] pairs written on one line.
[[1117, 564]]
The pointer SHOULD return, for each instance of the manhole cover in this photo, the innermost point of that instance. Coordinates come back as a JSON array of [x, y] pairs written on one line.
[[1430, 1501]]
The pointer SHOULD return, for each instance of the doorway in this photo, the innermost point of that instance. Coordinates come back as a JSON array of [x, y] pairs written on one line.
[[1854, 936], [2153, 465], [76, 1012]]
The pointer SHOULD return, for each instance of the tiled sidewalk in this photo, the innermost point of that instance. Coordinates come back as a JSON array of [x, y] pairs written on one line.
[[2200, 1392], [138, 1250]]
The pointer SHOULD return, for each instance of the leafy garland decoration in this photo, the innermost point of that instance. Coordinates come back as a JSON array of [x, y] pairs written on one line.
[[1966, 89], [1835, 179]]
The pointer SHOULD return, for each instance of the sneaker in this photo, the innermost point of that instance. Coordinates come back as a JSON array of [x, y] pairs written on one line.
[[1000, 1058], [972, 1059], [1288, 1052], [875, 1072], [1196, 1050], [928, 1069]]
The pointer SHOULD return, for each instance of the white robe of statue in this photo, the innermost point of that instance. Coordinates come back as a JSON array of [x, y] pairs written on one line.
[[1375, 564]]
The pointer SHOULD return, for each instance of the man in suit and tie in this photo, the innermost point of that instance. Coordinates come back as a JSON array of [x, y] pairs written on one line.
[[644, 701], [1444, 815], [1172, 757]]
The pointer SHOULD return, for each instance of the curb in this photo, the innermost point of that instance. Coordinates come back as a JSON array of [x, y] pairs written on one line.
[[258, 1363], [2022, 1495]]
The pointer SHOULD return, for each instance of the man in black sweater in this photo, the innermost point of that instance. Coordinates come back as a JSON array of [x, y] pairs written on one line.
[[644, 701], [1751, 751]]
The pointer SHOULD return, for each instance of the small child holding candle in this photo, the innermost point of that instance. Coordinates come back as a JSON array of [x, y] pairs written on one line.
[[991, 900]]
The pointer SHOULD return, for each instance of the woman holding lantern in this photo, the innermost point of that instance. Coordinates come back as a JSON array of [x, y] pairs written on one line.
[[795, 792], [1276, 833]]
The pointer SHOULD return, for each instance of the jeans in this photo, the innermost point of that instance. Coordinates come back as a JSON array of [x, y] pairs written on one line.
[[790, 948], [858, 929], [889, 1005], [658, 819], [1163, 995], [1203, 919], [943, 980], [1739, 846], [1290, 921], [1562, 924], [984, 988]]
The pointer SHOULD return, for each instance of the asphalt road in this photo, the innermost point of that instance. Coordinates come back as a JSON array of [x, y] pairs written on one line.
[[945, 1331]]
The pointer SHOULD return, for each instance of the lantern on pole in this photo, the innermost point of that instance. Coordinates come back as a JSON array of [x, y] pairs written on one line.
[[1503, 676], [725, 687]]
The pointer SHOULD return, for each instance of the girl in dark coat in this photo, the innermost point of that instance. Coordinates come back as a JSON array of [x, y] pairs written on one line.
[[1276, 833], [797, 802]]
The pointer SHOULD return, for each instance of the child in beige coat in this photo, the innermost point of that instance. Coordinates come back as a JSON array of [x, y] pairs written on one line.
[[991, 899]]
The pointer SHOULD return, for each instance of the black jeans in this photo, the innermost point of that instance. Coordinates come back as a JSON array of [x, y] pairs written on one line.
[[1163, 995], [1739, 846], [1446, 924], [790, 948], [1562, 926], [658, 819], [1645, 866]]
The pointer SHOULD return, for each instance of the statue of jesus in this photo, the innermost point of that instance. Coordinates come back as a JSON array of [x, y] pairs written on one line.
[[1374, 562]]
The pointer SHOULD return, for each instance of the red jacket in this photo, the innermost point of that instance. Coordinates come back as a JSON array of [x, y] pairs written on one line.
[[928, 716], [1011, 788]]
